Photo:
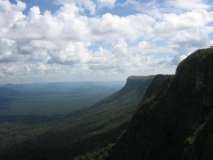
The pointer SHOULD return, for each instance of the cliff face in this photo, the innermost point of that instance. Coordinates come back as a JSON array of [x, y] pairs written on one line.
[[139, 83], [175, 120]]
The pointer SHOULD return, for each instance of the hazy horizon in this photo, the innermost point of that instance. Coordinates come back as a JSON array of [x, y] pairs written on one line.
[[63, 82]]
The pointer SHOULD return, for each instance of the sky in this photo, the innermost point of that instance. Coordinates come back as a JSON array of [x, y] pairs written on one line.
[[99, 40]]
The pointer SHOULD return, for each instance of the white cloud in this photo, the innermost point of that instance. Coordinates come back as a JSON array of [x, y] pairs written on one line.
[[83, 5], [7, 48], [189, 4], [88, 5], [115, 27], [72, 43], [106, 3]]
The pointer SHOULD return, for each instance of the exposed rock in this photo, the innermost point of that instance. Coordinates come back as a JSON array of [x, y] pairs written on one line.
[[175, 120]]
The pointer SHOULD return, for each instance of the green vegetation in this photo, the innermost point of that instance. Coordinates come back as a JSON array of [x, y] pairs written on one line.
[[81, 131], [52, 99], [175, 120], [28, 111], [101, 154]]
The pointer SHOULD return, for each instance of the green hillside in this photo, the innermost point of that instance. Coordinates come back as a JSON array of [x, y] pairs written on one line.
[[30, 110], [85, 130]]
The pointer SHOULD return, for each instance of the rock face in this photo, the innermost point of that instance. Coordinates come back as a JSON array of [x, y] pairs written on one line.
[[139, 83], [175, 120]]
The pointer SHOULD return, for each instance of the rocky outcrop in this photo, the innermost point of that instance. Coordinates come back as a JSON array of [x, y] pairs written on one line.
[[175, 120]]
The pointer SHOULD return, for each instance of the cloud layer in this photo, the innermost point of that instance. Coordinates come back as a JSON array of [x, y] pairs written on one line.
[[89, 40]]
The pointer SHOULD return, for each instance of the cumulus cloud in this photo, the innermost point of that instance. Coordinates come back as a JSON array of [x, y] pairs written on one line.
[[189, 4], [106, 3], [76, 41]]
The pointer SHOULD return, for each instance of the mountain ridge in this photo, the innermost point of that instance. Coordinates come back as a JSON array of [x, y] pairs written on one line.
[[175, 118]]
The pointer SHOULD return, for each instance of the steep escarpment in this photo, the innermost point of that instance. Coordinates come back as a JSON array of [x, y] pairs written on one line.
[[175, 120], [137, 83], [86, 130], [115, 109]]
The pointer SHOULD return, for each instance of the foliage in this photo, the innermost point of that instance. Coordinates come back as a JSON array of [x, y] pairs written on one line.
[[100, 154]]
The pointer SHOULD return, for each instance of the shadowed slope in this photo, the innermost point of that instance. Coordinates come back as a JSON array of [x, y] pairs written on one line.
[[175, 118]]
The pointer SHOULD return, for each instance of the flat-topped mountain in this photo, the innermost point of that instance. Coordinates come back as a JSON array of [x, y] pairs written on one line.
[[87, 129], [175, 119], [136, 82], [172, 119]]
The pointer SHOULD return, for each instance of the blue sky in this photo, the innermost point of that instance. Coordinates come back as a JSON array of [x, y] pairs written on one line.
[[43, 5], [75, 40], [53, 6]]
